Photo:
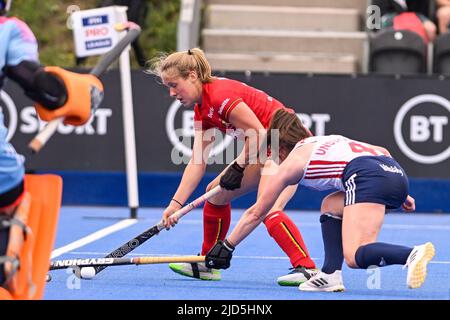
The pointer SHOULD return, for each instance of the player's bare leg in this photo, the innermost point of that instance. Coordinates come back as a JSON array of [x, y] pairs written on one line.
[[362, 222], [361, 225]]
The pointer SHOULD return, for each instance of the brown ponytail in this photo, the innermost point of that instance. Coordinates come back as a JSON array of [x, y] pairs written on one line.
[[290, 129]]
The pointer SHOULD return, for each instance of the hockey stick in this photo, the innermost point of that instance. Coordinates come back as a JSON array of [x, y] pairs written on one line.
[[147, 234], [107, 262], [133, 32]]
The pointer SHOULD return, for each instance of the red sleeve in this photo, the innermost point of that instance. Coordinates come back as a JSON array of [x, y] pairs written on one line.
[[225, 101], [231, 106]]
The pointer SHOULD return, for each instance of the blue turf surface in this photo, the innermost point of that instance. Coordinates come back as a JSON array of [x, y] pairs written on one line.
[[256, 264]]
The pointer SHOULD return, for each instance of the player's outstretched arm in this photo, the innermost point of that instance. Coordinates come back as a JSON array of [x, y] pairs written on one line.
[[192, 176], [41, 86], [288, 173]]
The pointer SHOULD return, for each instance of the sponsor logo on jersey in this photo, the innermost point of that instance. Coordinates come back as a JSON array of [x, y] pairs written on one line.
[[392, 169], [222, 106], [322, 149], [211, 112]]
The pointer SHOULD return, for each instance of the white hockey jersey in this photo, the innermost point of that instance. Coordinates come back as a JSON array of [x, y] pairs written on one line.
[[329, 157]]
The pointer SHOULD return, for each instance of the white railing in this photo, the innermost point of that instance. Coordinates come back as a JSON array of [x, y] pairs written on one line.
[[189, 24]]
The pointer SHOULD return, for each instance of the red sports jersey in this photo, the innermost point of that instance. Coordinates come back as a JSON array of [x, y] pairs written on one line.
[[222, 95]]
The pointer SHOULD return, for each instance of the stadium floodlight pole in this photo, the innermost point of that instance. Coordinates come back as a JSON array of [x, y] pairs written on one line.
[[147, 234]]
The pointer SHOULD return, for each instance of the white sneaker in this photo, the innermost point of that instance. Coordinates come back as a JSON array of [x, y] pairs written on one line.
[[417, 264], [195, 270], [297, 276], [323, 282]]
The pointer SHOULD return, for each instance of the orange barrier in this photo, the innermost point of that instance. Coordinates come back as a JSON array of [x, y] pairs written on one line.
[[4, 294], [46, 195]]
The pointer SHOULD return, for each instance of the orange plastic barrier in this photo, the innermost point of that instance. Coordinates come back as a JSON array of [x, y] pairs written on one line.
[[46, 195]]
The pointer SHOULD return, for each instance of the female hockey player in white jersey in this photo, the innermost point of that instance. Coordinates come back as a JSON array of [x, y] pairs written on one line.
[[368, 181]]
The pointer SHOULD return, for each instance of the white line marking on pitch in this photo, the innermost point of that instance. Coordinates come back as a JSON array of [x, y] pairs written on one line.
[[239, 257], [93, 237]]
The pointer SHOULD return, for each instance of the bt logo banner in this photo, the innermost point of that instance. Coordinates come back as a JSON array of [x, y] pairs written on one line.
[[422, 129]]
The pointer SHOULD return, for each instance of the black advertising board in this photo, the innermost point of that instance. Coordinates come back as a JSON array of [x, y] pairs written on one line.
[[409, 116]]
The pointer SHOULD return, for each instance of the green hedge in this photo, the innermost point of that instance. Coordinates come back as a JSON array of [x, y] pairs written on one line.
[[48, 20]]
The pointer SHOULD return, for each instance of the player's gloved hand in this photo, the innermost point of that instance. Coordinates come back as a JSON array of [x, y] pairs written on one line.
[[232, 178], [219, 256], [84, 95]]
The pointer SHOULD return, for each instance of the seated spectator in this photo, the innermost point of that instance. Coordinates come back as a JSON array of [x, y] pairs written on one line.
[[390, 9], [443, 15]]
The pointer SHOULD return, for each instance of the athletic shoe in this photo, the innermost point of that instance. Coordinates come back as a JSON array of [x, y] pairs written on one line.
[[296, 276], [195, 270], [323, 282], [417, 264]]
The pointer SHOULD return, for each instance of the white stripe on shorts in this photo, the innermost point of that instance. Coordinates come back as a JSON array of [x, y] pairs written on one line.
[[350, 190]]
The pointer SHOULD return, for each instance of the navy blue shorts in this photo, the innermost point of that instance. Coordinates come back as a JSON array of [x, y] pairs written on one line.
[[375, 179]]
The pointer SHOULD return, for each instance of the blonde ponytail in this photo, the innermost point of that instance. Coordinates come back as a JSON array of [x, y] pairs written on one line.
[[181, 64]]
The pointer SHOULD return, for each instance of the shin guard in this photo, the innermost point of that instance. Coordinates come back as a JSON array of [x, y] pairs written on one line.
[[216, 222], [288, 237], [15, 233], [46, 192], [31, 240]]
